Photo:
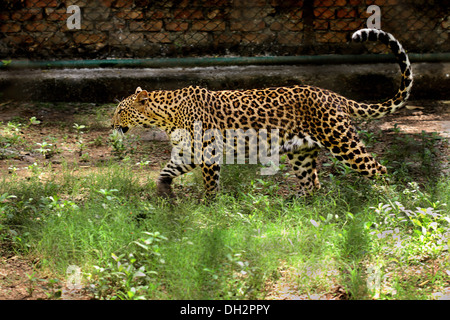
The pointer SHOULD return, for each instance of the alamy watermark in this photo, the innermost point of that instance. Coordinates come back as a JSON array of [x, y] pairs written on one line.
[[213, 152], [374, 21], [74, 21], [209, 147]]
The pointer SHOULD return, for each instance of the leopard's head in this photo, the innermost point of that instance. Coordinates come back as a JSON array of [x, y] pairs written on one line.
[[131, 112]]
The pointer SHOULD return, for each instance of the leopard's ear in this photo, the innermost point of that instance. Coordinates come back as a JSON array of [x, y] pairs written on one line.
[[141, 99], [142, 96], [138, 89]]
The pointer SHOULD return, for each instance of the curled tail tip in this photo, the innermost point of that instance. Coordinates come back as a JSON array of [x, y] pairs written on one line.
[[371, 35], [402, 58], [360, 35]]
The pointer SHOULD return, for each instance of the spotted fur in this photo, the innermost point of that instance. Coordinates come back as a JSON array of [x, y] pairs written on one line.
[[307, 118]]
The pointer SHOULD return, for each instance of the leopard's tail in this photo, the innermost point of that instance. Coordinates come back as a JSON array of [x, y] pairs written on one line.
[[362, 110]]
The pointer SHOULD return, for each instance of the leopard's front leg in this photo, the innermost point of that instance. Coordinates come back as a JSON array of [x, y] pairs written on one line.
[[212, 152], [171, 171], [211, 176]]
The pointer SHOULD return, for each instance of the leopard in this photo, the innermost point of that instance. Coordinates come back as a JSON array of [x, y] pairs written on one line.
[[299, 120]]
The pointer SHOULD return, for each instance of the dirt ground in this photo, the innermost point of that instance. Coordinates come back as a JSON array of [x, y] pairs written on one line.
[[18, 278]]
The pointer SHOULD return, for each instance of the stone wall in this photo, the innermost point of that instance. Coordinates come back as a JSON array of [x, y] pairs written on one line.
[[37, 29]]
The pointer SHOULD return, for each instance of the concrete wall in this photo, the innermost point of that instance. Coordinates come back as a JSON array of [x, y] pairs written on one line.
[[362, 82]]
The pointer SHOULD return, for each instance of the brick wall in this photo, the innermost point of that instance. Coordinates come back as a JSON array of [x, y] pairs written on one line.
[[37, 29]]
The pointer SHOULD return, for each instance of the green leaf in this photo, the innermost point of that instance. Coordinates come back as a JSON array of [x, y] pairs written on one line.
[[141, 245], [139, 274]]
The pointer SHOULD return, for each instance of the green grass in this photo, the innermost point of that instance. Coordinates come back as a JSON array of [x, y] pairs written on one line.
[[234, 247], [364, 239]]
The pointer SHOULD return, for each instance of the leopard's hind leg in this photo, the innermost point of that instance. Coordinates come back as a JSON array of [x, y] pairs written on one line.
[[345, 145], [303, 162]]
